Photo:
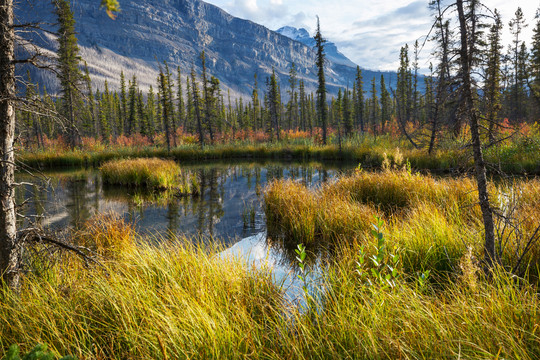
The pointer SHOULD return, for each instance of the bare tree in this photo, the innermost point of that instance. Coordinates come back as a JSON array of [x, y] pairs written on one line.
[[468, 39], [10, 255]]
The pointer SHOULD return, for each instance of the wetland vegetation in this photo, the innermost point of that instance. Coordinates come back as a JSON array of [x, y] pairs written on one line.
[[409, 228]]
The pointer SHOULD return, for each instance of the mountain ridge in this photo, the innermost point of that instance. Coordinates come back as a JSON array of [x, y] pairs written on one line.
[[177, 31]]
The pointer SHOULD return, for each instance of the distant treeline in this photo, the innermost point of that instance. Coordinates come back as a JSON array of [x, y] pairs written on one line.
[[508, 90]]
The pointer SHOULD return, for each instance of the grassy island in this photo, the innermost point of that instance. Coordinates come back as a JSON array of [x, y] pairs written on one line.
[[149, 172]]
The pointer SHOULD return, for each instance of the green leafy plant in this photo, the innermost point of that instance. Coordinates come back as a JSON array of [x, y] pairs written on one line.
[[381, 268], [39, 352], [301, 252], [422, 279]]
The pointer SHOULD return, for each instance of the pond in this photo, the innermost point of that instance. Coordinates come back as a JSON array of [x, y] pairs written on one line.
[[229, 208]]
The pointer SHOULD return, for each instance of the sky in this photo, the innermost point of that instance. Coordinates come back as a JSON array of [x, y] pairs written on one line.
[[369, 32]]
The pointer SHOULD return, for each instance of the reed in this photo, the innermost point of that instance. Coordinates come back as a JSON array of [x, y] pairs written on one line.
[[152, 173], [434, 221], [173, 301], [178, 301], [518, 156]]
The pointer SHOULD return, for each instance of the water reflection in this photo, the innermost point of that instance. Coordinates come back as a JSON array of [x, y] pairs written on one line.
[[229, 207]]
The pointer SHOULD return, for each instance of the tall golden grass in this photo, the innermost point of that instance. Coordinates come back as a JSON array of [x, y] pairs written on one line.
[[154, 173], [432, 220], [176, 300]]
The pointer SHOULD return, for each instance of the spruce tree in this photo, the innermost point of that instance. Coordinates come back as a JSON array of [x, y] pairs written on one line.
[[180, 101], [90, 123], [189, 107], [164, 101], [68, 68], [534, 67], [151, 113], [208, 99], [303, 105], [171, 111], [197, 107], [256, 104], [374, 111], [359, 100], [386, 105], [123, 105], [132, 118], [292, 105], [403, 94], [347, 113], [321, 89], [274, 105], [518, 51], [492, 84], [106, 105]]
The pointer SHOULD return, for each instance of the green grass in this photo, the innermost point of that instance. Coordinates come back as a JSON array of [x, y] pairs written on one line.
[[519, 156], [180, 301]]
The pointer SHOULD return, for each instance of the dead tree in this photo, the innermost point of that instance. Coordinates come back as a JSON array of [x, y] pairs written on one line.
[[467, 24], [9, 251]]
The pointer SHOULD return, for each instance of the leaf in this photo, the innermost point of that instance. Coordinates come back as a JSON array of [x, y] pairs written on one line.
[[111, 6]]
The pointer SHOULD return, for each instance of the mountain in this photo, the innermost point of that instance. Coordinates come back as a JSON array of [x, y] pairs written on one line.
[[331, 50], [148, 32]]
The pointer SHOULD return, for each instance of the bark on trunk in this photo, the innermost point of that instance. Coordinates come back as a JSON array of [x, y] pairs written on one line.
[[479, 164], [9, 249]]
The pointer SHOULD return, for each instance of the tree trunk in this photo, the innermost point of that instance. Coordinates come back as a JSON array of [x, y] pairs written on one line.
[[9, 249], [479, 164]]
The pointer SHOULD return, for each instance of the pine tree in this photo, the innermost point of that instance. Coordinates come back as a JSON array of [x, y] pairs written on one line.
[[337, 112], [303, 105], [256, 104], [374, 111], [208, 100], [386, 105], [415, 96], [518, 49], [403, 94], [132, 118], [359, 100], [196, 107], [123, 104], [189, 107], [321, 89], [292, 105], [106, 109], [347, 113], [90, 123], [165, 107], [534, 66], [68, 68], [31, 120], [492, 85], [151, 113], [274, 104]]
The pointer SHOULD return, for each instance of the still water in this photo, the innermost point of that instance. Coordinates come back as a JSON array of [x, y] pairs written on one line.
[[229, 209]]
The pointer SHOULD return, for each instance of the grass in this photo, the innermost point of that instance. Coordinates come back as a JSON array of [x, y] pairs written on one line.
[[152, 173], [514, 156], [433, 221], [179, 300]]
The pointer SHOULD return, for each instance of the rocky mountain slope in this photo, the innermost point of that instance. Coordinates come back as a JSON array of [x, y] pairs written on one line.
[[148, 32], [303, 36]]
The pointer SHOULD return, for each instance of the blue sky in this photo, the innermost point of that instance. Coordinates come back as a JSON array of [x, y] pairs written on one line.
[[369, 32]]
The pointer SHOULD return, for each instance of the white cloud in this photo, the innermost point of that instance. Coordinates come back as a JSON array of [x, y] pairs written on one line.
[[369, 32]]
